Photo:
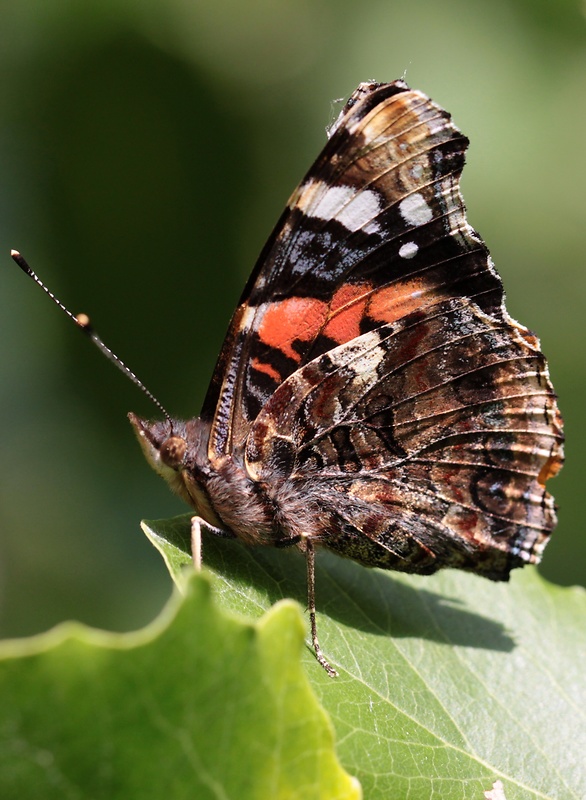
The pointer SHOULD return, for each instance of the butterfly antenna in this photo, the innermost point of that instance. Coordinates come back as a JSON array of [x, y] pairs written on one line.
[[83, 321]]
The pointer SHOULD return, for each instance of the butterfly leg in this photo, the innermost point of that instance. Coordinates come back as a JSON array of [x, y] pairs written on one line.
[[310, 560], [196, 542]]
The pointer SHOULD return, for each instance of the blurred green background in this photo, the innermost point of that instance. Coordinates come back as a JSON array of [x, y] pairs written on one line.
[[146, 150]]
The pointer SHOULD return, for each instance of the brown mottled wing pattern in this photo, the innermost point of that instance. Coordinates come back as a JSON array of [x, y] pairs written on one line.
[[427, 442], [374, 231]]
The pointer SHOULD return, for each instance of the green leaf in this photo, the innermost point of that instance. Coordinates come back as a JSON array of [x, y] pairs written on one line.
[[198, 705], [447, 683]]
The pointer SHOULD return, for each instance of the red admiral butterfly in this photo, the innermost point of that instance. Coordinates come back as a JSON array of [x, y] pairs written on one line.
[[373, 396]]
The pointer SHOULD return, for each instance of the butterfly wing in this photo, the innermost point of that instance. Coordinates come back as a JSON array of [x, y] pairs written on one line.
[[375, 230], [426, 443]]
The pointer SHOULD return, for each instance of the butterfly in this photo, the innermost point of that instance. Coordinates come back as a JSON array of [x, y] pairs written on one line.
[[372, 395]]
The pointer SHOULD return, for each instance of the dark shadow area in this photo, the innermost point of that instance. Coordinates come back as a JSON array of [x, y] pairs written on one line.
[[366, 599]]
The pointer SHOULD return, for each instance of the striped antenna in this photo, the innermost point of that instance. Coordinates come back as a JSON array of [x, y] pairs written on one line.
[[82, 321]]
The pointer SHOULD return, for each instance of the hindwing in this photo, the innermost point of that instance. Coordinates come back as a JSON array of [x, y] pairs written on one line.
[[432, 437]]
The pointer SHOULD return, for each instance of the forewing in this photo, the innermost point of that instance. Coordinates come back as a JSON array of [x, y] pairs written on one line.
[[429, 441], [375, 230]]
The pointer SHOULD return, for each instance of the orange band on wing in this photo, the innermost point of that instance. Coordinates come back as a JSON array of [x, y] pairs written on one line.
[[297, 318], [396, 301], [303, 318], [346, 312], [261, 366]]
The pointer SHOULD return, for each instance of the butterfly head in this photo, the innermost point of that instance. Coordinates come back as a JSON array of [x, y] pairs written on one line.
[[173, 447], [177, 451], [164, 444]]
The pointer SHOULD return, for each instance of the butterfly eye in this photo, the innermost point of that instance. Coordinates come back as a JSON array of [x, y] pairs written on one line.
[[172, 452]]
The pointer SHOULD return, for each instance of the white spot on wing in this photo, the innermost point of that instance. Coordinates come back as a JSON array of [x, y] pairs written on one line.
[[332, 201], [408, 250], [359, 213], [415, 210], [354, 210]]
